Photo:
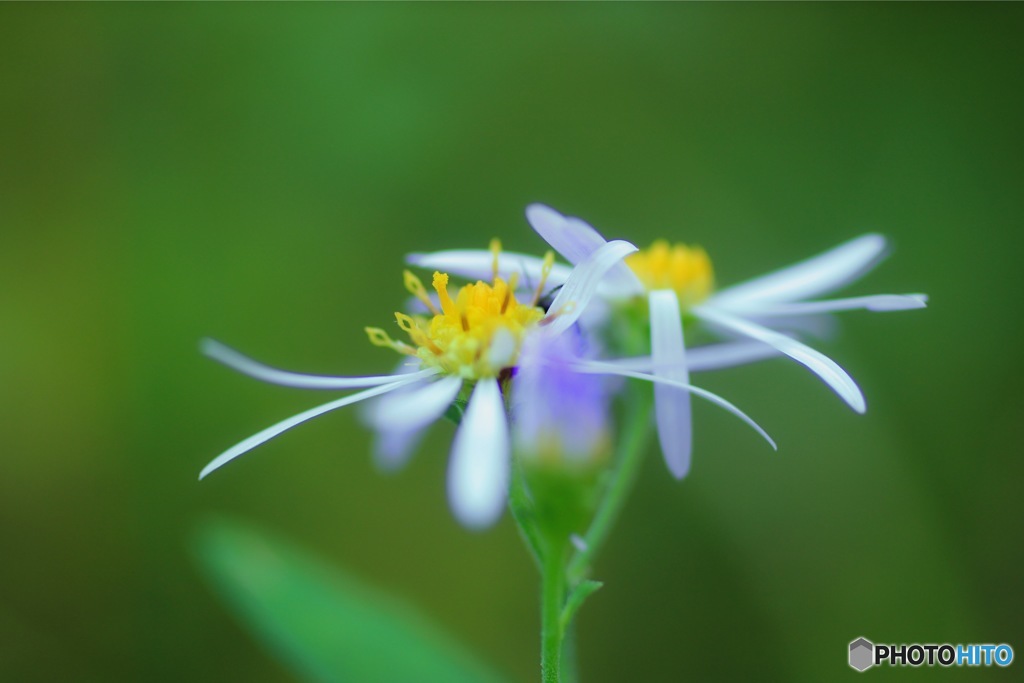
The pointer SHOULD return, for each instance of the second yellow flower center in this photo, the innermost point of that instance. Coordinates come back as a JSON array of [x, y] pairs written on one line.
[[686, 270]]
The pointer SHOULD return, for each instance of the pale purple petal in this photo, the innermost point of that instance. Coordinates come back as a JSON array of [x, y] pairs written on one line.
[[571, 237], [575, 240], [818, 363], [283, 426], [392, 450], [573, 297], [478, 264], [878, 303], [818, 326], [821, 274], [415, 408], [728, 355], [612, 369], [716, 356], [247, 366], [555, 407], [671, 403], [478, 472]]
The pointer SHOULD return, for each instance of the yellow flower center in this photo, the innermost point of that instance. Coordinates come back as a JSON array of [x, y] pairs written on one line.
[[686, 270], [477, 334]]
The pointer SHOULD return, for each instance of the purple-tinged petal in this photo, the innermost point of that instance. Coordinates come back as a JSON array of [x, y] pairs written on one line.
[[728, 355], [391, 449], [416, 408], [478, 264], [575, 240], [671, 403], [821, 274], [247, 366], [818, 363], [612, 369], [575, 294], [716, 356], [558, 413], [878, 303], [284, 425]]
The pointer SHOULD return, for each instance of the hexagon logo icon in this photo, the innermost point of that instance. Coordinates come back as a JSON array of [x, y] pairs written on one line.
[[862, 654]]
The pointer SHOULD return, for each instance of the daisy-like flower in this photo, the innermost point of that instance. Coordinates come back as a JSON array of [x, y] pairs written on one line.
[[462, 354], [677, 281]]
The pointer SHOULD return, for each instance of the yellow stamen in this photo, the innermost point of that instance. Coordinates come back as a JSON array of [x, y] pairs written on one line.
[[495, 252], [441, 286], [411, 327], [509, 290], [379, 337], [416, 288], [545, 271], [459, 339]]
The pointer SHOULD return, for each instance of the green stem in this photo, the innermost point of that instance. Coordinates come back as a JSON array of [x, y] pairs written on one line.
[[629, 455], [552, 599], [570, 665]]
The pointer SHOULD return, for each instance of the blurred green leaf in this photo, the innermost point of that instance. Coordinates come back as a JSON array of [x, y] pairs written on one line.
[[324, 624]]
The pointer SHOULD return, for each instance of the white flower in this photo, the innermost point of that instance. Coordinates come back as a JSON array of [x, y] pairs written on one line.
[[674, 280], [465, 348]]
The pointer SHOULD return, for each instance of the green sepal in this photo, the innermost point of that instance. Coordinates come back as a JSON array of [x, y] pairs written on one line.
[[563, 496], [578, 595]]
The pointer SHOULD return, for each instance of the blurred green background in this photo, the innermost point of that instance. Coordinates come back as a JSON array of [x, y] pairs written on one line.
[[255, 173]]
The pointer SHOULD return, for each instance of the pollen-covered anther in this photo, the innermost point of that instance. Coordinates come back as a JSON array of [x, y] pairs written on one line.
[[416, 288], [545, 271], [379, 337], [685, 270]]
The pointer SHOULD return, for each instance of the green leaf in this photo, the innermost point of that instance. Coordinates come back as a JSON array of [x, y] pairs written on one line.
[[325, 625]]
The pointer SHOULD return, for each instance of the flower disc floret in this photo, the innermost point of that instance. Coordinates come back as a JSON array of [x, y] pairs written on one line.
[[685, 270]]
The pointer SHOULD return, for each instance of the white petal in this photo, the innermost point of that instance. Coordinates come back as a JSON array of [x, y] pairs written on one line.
[[415, 408], [575, 240], [818, 325], [611, 369], [818, 363], [878, 303], [815, 276], [727, 355], [671, 404], [708, 357], [575, 294], [502, 351], [247, 366], [478, 472], [478, 264], [283, 426], [394, 444]]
